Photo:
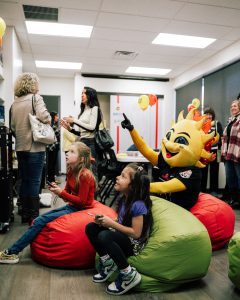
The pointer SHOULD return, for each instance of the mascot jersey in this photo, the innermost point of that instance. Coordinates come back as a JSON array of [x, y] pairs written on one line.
[[189, 176], [179, 161]]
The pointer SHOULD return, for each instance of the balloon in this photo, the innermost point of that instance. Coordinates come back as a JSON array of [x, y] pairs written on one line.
[[190, 106], [152, 99], [196, 102], [2, 27], [143, 102]]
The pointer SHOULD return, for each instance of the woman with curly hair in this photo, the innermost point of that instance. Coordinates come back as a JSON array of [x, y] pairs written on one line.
[[30, 154]]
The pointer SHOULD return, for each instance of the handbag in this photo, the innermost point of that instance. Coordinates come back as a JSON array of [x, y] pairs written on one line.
[[42, 133], [103, 139]]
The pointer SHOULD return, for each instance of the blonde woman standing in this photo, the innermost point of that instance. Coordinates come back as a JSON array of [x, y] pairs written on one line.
[[30, 154]]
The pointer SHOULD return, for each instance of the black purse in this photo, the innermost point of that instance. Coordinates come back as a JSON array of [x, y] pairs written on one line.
[[103, 139]]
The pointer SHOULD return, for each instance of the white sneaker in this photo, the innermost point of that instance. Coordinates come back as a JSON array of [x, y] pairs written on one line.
[[106, 269], [124, 283], [6, 258]]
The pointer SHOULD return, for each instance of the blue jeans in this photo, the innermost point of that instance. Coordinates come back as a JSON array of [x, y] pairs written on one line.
[[30, 165], [232, 170], [37, 226]]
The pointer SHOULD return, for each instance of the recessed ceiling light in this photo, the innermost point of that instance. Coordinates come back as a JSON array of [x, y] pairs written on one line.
[[149, 71], [182, 40], [58, 29], [58, 65]]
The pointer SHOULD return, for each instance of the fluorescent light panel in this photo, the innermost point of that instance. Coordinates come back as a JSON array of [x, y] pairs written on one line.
[[182, 40], [58, 65], [149, 71], [58, 29]]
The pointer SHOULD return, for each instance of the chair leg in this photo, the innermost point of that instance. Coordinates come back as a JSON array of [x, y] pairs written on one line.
[[108, 190], [105, 191], [114, 199]]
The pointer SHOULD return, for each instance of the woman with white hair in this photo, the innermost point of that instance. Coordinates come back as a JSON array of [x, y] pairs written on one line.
[[30, 154]]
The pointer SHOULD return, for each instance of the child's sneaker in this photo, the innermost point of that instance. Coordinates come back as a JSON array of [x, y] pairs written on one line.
[[6, 258], [106, 269], [124, 283]]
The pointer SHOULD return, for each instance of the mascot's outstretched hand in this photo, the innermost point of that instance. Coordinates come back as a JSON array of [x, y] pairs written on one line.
[[139, 142], [126, 123]]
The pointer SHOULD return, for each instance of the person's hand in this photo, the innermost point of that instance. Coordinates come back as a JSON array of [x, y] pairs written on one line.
[[68, 119], [54, 188], [126, 123], [105, 221], [65, 125]]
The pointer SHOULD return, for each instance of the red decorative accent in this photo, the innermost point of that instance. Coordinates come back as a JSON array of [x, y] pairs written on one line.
[[118, 130], [118, 139], [156, 132]]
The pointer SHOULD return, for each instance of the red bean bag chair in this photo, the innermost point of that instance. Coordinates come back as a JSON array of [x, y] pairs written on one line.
[[63, 242], [217, 216]]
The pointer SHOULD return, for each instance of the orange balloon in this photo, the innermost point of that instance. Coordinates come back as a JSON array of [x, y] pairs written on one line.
[[152, 99]]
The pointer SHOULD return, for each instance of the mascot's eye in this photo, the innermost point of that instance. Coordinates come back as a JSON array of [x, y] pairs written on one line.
[[181, 140], [168, 135]]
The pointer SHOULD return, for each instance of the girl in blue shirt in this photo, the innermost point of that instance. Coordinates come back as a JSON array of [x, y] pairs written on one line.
[[113, 240]]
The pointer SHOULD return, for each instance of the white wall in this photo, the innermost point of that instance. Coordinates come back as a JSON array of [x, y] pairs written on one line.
[[144, 121], [12, 67]]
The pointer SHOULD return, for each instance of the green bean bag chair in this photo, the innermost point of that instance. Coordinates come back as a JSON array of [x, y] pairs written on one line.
[[234, 259], [178, 250]]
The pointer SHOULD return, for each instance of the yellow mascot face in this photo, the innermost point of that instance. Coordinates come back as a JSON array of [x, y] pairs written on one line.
[[184, 143]]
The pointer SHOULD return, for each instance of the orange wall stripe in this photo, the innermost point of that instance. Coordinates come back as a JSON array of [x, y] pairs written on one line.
[[156, 131], [118, 130]]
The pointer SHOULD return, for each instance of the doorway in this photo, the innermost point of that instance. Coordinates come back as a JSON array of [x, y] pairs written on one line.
[[53, 103]]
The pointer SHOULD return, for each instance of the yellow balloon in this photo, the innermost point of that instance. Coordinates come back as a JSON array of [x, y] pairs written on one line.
[[2, 27], [196, 102], [143, 102]]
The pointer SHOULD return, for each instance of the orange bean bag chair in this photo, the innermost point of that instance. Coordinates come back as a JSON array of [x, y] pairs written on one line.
[[217, 216], [63, 243]]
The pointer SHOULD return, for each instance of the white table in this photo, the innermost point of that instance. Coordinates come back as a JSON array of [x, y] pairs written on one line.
[[136, 159]]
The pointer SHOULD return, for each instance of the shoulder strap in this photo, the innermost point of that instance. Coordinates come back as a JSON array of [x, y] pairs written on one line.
[[33, 100], [10, 122], [10, 117]]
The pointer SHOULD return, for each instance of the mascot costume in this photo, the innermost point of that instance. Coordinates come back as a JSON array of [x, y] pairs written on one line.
[[183, 153]]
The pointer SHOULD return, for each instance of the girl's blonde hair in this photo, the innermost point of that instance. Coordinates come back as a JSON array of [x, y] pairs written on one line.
[[84, 161], [26, 83]]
